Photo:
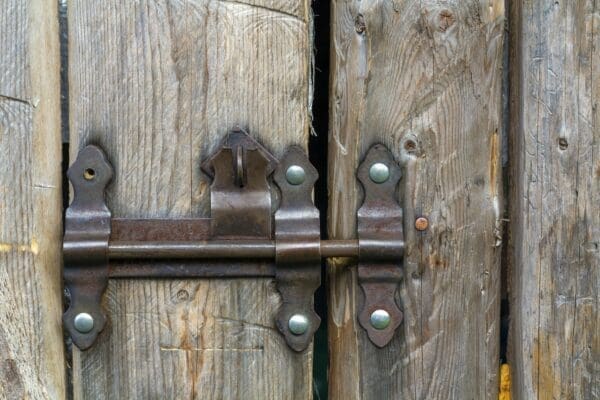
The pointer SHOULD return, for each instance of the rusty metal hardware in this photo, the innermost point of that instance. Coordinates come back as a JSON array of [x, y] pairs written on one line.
[[297, 249], [240, 198], [379, 231], [242, 238], [87, 230]]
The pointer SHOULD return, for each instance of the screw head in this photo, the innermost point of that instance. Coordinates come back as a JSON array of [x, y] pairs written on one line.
[[380, 319], [295, 175], [421, 223], [83, 322], [379, 172], [298, 324]]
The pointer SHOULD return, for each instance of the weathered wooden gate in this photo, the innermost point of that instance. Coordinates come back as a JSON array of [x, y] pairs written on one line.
[[490, 109]]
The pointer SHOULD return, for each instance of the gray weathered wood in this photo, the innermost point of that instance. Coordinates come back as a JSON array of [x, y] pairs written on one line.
[[424, 78], [158, 84], [32, 363], [555, 199]]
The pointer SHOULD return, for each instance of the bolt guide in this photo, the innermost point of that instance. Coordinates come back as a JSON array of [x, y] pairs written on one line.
[[242, 238]]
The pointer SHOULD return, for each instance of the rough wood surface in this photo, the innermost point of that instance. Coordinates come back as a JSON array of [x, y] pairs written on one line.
[[158, 84], [32, 361], [555, 198], [424, 78]]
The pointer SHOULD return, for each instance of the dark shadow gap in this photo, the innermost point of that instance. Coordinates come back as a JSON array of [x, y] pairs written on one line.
[[318, 156], [64, 128], [505, 253], [64, 71]]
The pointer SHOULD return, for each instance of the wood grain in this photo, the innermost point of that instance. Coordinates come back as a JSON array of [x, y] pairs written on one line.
[[32, 362], [555, 196], [158, 84], [423, 78]]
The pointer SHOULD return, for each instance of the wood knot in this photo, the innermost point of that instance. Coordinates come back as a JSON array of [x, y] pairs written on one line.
[[563, 143], [410, 146], [445, 20], [183, 295], [359, 24]]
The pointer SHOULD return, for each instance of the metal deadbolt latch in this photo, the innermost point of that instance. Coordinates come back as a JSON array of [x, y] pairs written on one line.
[[242, 226]]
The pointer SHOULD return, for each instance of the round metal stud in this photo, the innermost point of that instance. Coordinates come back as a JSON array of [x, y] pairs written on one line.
[[295, 175], [380, 319], [83, 322], [379, 172], [298, 324], [421, 223]]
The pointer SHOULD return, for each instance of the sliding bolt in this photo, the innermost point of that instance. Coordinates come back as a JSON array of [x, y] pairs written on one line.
[[298, 324], [379, 173], [380, 319], [295, 175], [83, 322]]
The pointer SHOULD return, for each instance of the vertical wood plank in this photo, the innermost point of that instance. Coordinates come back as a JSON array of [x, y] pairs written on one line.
[[158, 83], [423, 78], [32, 363], [554, 201]]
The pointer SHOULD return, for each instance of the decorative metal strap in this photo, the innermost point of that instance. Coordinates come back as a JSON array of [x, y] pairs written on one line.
[[297, 246], [380, 227], [87, 230]]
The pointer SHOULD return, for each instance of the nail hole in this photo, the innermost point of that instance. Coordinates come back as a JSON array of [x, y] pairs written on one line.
[[89, 174], [563, 144], [410, 146]]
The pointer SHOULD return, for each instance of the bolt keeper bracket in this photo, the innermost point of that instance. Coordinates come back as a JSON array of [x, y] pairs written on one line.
[[239, 239]]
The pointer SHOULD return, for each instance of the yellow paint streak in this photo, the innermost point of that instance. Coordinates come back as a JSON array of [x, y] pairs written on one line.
[[504, 382], [32, 247]]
